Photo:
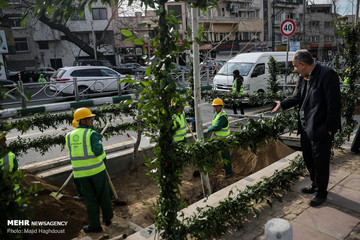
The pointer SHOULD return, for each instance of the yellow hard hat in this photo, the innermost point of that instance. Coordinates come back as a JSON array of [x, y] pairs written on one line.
[[217, 102], [75, 123], [82, 113], [347, 70]]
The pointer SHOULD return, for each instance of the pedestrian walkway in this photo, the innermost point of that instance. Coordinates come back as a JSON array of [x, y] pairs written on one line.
[[337, 218]]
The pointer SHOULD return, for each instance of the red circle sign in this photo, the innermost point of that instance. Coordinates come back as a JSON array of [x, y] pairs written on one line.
[[287, 27]]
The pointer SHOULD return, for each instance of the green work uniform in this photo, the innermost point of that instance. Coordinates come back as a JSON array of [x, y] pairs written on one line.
[[87, 159], [41, 80], [220, 126], [9, 163], [180, 125]]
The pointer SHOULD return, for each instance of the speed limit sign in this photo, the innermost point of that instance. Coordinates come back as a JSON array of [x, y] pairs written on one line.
[[287, 27]]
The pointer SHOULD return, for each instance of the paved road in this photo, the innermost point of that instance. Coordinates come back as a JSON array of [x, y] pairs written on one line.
[[57, 152]]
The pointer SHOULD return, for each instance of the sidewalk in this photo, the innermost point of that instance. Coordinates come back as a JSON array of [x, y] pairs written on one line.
[[338, 218]]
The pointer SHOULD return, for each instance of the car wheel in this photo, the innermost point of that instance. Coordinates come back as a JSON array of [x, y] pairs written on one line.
[[84, 92]]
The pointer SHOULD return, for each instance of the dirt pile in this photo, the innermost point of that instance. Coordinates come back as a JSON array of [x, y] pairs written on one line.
[[140, 192], [138, 188]]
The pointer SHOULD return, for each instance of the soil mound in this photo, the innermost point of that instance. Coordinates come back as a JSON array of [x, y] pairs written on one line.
[[140, 192]]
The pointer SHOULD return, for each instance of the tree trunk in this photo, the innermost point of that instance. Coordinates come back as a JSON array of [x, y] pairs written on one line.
[[71, 37]]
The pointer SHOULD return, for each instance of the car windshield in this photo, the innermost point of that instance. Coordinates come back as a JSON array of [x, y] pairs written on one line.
[[229, 67]]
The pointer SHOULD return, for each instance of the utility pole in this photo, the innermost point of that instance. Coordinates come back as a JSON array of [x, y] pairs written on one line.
[[304, 24], [357, 12], [197, 89], [273, 26]]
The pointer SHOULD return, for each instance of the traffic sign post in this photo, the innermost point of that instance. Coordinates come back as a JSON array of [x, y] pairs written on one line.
[[287, 29]]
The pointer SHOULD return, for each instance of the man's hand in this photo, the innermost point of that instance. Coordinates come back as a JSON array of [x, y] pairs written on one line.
[[276, 107]]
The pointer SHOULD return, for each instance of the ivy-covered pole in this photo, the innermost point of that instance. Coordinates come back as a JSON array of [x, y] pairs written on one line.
[[273, 71]]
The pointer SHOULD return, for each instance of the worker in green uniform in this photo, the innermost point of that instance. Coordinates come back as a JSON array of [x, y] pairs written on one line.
[[220, 127], [8, 161], [87, 159], [179, 124], [41, 80]]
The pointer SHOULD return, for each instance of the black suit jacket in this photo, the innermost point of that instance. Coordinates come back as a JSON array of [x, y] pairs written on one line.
[[322, 110]]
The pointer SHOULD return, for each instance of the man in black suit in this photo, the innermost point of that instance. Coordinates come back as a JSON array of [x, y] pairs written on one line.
[[319, 118]]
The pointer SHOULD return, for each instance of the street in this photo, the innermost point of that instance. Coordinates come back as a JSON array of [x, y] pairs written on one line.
[[56, 152]]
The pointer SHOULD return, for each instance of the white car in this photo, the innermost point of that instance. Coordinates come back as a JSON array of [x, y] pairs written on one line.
[[90, 79]]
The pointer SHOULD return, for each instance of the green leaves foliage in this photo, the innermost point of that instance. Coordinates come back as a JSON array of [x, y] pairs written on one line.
[[212, 222], [14, 206]]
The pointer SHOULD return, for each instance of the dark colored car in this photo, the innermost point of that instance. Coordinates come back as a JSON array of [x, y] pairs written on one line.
[[6, 82], [130, 68], [26, 76]]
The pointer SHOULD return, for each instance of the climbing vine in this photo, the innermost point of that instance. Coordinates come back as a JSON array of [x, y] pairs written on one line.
[[349, 93], [274, 70]]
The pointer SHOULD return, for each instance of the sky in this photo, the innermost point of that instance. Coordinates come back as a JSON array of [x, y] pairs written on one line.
[[345, 7]]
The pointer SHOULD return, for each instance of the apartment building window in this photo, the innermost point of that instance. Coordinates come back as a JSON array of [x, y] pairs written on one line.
[[245, 36], [329, 38], [15, 22], [43, 44], [77, 17], [327, 24], [224, 36], [215, 37], [223, 12], [314, 38], [21, 44], [99, 14], [314, 24]]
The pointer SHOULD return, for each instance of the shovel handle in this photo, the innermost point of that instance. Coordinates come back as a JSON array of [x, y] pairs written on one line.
[[112, 185], [66, 182], [106, 126]]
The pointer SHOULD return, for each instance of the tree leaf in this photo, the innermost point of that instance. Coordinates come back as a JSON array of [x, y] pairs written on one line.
[[126, 32]]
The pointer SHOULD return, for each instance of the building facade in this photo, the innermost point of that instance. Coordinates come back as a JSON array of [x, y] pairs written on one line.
[[38, 45], [320, 37], [234, 26], [275, 12]]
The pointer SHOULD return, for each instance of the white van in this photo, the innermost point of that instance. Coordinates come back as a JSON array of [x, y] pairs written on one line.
[[254, 69]]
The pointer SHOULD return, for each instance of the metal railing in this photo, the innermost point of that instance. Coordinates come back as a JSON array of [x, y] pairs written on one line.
[[25, 93]]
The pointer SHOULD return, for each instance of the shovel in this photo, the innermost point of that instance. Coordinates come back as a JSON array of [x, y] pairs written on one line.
[[57, 195]]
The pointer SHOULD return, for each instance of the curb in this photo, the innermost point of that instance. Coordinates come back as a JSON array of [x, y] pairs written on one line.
[[54, 107]]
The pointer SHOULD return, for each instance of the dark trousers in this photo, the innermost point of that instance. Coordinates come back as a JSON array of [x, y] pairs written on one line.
[[317, 160], [236, 106], [226, 155], [96, 192]]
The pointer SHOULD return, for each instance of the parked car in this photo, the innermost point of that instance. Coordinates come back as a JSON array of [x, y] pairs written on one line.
[[26, 76], [211, 65], [92, 62], [46, 71], [90, 79], [130, 68], [4, 82], [11, 72]]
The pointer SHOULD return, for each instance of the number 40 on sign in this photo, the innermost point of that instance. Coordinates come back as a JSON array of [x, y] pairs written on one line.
[[287, 27]]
